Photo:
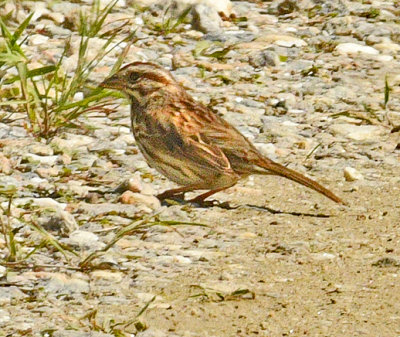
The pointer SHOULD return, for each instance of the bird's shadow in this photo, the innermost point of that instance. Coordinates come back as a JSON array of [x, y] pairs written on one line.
[[226, 205]]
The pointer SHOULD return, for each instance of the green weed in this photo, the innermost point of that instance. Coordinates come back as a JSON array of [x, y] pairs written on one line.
[[48, 94]]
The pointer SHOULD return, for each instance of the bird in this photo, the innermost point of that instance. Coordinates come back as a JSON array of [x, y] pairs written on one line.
[[186, 141]]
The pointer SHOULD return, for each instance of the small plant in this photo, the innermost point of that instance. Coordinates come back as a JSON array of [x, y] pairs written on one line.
[[134, 228], [14, 254], [210, 49], [48, 94], [6, 230], [168, 24], [387, 92]]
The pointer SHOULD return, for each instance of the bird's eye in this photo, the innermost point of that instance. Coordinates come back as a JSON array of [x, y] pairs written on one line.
[[133, 76]]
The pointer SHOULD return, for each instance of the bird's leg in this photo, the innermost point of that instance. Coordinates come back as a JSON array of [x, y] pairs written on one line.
[[200, 199], [180, 192]]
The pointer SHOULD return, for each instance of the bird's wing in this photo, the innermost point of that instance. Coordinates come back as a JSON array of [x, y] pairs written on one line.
[[184, 139], [202, 123]]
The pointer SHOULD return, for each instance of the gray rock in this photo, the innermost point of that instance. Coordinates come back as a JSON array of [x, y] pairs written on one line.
[[370, 133], [351, 174], [138, 199], [355, 49], [10, 293], [61, 222], [264, 58], [41, 149], [283, 7], [63, 284], [4, 317], [47, 160], [84, 240], [206, 19], [5, 164]]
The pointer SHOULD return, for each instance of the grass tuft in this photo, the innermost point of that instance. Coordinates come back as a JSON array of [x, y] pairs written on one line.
[[48, 94]]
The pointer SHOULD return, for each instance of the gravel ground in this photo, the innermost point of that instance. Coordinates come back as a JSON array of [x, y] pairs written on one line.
[[305, 81]]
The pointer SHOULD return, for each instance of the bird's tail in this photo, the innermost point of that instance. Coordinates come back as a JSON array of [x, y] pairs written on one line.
[[277, 169]]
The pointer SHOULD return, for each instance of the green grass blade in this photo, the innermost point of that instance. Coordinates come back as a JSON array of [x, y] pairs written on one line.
[[17, 34], [181, 18], [387, 92], [18, 102], [32, 73]]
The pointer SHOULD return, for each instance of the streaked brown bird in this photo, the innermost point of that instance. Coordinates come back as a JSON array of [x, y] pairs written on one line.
[[186, 141]]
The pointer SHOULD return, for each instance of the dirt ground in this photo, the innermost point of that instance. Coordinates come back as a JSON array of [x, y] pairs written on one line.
[[327, 271]]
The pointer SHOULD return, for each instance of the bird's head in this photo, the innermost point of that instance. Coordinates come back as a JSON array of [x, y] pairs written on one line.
[[139, 79]]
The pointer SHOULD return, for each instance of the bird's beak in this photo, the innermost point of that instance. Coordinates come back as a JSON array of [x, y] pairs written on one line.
[[113, 82]]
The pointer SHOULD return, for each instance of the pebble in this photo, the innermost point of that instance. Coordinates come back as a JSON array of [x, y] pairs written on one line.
[[355, 48], [47, 172], [41, 149], [5, 164], [47, 160], [7, 295], [287, 41], [85, 240], [351, 174], [59, 283], [37, 39], [264, 58], [4, 317], [323, 256], [106, 276], [206, 19], [138, 199], [41, 202], [370, 133], [61, 222]]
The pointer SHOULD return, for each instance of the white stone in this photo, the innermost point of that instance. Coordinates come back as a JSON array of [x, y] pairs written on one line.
[[206, 19], [78, 96], [358, 132], [388, 47], [283, 40], [3, 271], [351, 174], [384, 58], [355, 48], [37, 39], [323, 256], [119, 3], [61, 283], [57, 17], [138, 199], [48, 203], [267, 149], [82, 237], [4, 316], [48, 160], [112, 277], [138, 21], [85, 239], [69, 220]]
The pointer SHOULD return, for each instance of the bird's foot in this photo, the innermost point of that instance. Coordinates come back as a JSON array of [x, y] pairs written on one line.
[[200, 202], [168, 199]]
